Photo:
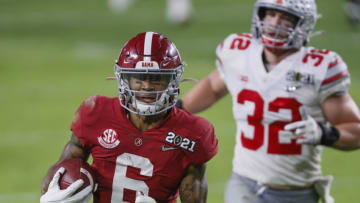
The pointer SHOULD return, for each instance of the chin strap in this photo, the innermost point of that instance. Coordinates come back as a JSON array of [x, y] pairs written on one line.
[[189, 80], [317, 33]]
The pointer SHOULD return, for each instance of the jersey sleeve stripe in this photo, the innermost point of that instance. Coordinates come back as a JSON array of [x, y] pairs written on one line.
[[333, 64], [244, 35], [344, 73]]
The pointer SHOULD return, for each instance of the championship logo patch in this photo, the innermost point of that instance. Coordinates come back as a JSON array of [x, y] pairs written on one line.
[[298, 77], [178, 141], [109, 139], [297, 80]]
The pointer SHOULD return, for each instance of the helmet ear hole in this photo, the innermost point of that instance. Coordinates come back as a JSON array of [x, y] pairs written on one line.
[[261, 13]]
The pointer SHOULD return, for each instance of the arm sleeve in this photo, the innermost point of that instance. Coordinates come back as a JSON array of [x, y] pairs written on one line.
[[336, 80], [218, 62], [85, 116], [206, 146], [229, 49]]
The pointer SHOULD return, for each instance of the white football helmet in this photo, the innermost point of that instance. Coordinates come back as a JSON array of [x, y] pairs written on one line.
[[149, 56], [304, 10]]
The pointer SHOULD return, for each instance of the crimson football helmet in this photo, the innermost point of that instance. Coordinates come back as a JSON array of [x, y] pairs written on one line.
[[305, 12], [149, 56]]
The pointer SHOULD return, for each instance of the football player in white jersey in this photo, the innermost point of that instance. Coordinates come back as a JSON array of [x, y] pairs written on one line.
[[352, 11], [178, 12], [289, 100]]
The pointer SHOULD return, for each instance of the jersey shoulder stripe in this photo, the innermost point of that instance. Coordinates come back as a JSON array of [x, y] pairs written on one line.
[[331, 71], [336, 62], [336, 72], [342, 75]]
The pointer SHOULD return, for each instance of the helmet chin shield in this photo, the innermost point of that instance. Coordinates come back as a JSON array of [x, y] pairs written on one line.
[[161, 104], [281, 37]]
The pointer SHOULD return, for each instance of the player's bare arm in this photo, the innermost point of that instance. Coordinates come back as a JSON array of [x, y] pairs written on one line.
[[343, 113], [193, 187], [72, 149], [205, 93]]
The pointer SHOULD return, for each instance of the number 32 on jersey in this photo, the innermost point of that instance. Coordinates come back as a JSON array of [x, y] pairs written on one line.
[[255, 120]]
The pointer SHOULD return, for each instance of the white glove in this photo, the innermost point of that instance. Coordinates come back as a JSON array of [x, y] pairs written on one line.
[[306, 131], [140, 198], [55, 195]]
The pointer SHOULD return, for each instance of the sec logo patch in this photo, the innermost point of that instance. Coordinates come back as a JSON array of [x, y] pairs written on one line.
[[109, 139]]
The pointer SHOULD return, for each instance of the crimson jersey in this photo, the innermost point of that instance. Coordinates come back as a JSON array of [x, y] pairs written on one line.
[[128, 161]]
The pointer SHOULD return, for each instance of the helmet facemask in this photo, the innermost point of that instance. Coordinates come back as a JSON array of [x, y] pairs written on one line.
[[283, 37], [160, 95], [276, 36]]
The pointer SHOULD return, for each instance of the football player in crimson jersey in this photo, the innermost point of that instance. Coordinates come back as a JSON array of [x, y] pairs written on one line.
[[289, 100], [143, 148]]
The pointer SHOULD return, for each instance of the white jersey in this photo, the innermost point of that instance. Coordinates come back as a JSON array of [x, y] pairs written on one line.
[[264, 102]]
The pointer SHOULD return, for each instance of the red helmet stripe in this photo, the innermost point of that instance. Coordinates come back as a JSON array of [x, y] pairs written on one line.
[[147, 45]]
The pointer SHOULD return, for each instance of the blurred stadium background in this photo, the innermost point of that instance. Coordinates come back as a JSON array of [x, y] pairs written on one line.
[[54, 54]]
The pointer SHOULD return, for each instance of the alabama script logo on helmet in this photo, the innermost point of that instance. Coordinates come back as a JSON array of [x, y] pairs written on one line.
[[109, 139]]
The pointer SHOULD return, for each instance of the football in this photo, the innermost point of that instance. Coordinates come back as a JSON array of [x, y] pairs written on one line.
[[75, 169]]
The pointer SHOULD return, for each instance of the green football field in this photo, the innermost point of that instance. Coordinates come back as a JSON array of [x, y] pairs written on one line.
[[54, 54]]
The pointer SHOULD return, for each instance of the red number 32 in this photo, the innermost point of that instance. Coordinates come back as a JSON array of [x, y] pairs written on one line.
[[316, 55], [255, 120]]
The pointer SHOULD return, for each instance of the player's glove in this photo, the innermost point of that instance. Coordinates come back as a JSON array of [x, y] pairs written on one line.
[[140, 198], [55, 195], [310, 132]]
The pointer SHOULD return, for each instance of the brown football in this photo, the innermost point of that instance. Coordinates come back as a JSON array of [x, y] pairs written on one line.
[[75, 169]]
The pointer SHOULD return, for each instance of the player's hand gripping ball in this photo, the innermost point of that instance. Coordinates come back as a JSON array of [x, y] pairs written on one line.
[[72, 181], [75, 169]]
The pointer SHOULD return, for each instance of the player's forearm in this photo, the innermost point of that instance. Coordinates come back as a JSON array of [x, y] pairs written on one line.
[[72, 149], [46, 180], [203, 190], [193, 190], [204, 94], [349, 137], [189, 190], [193, 187], [199, 98]]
